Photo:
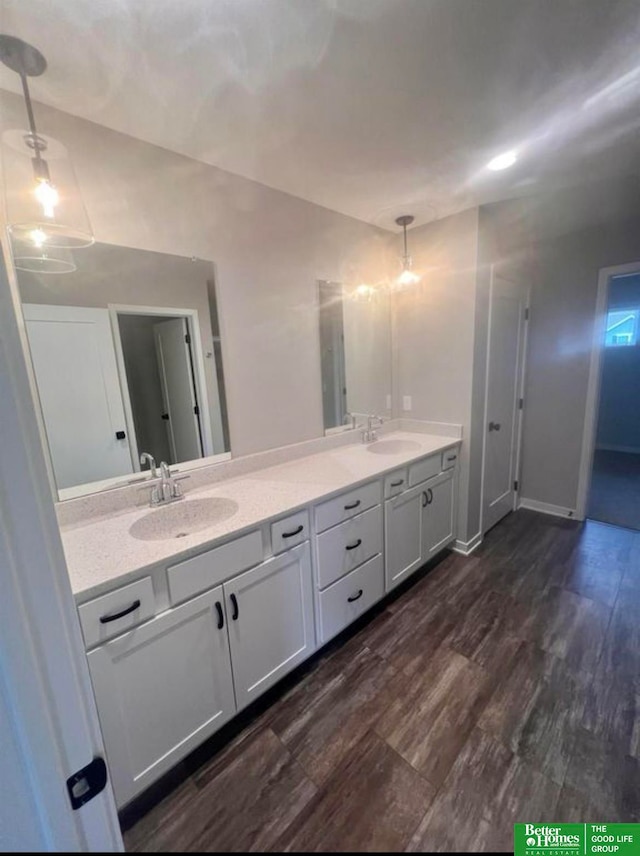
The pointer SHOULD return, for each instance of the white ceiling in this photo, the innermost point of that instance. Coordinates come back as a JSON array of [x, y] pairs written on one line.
[[373, 108]]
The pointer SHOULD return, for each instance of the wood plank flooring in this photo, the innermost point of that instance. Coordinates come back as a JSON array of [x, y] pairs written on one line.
[[497, 688]]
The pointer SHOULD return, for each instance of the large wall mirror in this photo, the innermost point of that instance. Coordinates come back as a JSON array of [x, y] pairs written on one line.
[[355, 352], [127, 359]]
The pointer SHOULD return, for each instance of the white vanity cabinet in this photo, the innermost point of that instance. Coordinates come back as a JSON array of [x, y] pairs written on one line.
[[271, 627], [176, 653], [419, 523], [403, 536], [161, 689], [437, 515]]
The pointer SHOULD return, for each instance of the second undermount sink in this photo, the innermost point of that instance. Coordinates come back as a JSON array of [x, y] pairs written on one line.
[[182, 518], [392, 447]]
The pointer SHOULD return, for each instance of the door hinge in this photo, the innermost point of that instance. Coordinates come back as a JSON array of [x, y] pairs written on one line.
[[196, 410], [520, 403], [87, 783], [526, 314], [515, 486], [187, 338]]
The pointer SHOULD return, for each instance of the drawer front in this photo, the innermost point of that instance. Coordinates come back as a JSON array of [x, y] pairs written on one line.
[[449, 459], [395, 483], [347, 505], [425, 469], [348, 545], [289, 531], [209, 569], [99, 617], [347, 599]]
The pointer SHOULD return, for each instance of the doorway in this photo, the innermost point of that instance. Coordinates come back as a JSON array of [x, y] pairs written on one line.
[[614, 477], [508, 316], [162, 396]]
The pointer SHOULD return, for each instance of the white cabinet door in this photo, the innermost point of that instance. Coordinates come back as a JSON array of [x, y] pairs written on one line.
[[161, 690], [271, 626], [403, 536], [437, 515]]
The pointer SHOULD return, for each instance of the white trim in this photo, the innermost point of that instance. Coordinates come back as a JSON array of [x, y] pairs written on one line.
[[593, 388], [465, 548], [44, 677], [547, 508], [630, 450]]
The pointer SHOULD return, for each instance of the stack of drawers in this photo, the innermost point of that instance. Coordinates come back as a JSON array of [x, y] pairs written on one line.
[[349, 557]]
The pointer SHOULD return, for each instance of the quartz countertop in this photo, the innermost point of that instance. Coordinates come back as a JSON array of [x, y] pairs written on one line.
[[101, 550]]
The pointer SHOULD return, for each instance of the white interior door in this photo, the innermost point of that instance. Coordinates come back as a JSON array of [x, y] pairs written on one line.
[[178, 389], [79, 389], [504, 371], [48, 719]]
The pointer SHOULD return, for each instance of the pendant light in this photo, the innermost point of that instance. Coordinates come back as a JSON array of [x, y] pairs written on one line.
[[407, 277], [45, 213]]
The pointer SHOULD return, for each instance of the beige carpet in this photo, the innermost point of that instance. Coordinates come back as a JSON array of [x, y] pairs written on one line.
[[615, 489]]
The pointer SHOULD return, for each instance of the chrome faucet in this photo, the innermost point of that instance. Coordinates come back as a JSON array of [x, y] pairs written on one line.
[[146, 457], [166, 489], [368, 433]]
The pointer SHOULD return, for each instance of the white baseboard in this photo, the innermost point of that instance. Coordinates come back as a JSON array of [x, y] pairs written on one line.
[[632, 450], [465, 548], [547, 508]]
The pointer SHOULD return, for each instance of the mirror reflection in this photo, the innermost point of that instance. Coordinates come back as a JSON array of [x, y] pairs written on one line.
[[355, 351], [127, 359]]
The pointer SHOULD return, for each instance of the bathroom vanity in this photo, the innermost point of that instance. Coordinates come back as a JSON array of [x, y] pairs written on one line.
[[191, 611]]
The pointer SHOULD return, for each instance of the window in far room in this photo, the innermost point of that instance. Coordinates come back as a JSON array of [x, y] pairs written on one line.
[[622, 328]]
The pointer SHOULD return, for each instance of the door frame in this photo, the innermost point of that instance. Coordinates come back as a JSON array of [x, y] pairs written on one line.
[[520, 384], [45, 690], [191, 315], [605, 275]]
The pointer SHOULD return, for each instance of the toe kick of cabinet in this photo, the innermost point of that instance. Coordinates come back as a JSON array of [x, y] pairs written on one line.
[[350, 597]]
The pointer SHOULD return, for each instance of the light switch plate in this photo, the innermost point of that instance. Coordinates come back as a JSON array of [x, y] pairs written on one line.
[[406, 402], [388, 402]]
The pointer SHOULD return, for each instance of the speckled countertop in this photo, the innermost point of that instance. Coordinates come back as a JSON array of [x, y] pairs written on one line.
[[102, 550]]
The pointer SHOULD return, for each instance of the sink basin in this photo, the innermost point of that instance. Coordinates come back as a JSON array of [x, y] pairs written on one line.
[[393, 447], [182, 518]]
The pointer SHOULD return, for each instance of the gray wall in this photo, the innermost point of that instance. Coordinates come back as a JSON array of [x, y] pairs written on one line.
[[619, 411], [434, 332], [269, 250], [560, 337]]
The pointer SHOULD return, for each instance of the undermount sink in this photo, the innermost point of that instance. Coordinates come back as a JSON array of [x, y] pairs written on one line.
[[182, 518], [393, 447]]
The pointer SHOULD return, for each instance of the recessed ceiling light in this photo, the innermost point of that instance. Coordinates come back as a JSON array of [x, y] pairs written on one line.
[[503, 161]]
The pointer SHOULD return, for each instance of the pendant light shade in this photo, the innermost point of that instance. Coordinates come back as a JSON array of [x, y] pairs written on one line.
[[44, 209], [407, 277]]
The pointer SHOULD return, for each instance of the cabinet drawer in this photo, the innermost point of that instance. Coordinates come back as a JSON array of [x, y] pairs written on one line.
[[98, 617], [347, 599], [449, 459], [395, 483], [289, 531], [202, 572], [348, 545], [425, 469], [347, 505]]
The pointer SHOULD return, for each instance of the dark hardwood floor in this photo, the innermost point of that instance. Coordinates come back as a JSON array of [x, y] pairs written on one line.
[[499, 688]]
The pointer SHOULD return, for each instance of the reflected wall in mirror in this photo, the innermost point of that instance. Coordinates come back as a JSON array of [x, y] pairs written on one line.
[[127, 359], [355, 351]]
